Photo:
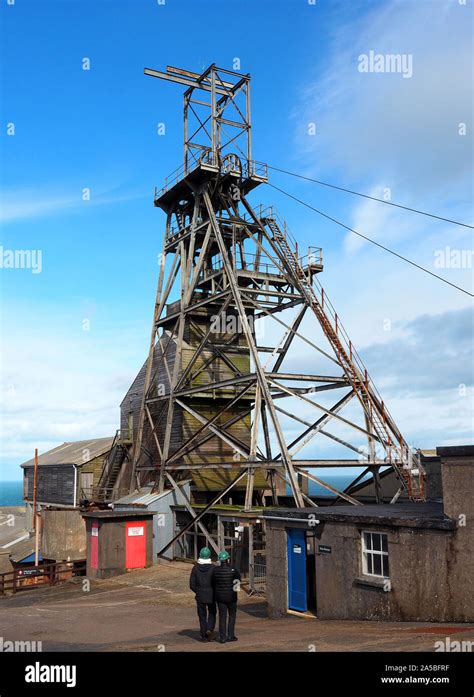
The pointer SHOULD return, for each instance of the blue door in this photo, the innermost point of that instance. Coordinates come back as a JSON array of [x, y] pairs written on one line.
[[297, 570]]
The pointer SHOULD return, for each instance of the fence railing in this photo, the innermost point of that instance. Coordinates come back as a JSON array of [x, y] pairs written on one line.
[[259, 578], [263, 263], [314, 257], [124, 435], [205, 156], [31, 577], [252, 168], [106, 494]]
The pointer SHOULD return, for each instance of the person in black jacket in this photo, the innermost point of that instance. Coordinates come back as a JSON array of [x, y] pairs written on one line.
[[200, 583], [226, 580]]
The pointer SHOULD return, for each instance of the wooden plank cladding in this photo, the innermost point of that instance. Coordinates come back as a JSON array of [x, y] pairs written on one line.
[[224, 357], [55, 484], [219, 479], [215, 449]]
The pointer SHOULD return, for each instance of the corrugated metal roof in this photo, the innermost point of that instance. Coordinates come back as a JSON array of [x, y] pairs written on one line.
[[142, 497], [22, 549], [73, 453]]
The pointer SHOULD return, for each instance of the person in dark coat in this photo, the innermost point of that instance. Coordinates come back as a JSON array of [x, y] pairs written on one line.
[[200, 583], [226, 580]]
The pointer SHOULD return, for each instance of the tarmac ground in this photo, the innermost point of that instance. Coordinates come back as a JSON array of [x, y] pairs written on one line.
[[154, 610], [12, 524]]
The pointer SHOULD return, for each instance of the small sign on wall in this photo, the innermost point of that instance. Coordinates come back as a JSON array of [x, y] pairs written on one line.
[[296, 549], [324, 549], [136, 531]]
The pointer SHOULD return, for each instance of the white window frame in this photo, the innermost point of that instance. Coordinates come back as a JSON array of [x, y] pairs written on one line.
[[366, 552]]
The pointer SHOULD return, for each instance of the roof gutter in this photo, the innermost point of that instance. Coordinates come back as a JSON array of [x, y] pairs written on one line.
[[308, 521]]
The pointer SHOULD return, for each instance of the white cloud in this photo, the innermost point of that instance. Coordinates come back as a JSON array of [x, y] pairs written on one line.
[[403, 132], [24, 204], [381, 131], [378, 132], [370, 217], [59, 383]]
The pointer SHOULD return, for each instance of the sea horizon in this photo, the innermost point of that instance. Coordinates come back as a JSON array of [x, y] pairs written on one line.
[[11, 492]]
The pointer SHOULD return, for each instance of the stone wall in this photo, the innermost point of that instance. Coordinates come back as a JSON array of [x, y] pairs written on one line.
[[430, 574], [458, 503]]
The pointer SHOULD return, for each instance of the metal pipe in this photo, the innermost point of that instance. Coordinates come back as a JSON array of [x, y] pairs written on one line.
[[35, 474], [37, 534]]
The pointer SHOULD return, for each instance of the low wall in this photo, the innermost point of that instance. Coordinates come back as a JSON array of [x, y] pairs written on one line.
[[63, 536]]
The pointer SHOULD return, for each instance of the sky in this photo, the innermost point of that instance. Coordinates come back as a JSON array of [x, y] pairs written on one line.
[[81, 153]]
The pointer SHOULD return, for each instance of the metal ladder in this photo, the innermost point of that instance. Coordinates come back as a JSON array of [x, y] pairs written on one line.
[[405, 463]]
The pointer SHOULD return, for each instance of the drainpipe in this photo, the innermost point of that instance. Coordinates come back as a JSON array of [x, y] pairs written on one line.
[[37, 539], [75, 485]]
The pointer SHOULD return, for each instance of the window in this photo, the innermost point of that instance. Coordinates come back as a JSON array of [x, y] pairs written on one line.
[[375, 554]]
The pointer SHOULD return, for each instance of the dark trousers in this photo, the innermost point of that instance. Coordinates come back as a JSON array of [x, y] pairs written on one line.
[[224, 610], [207, 617]]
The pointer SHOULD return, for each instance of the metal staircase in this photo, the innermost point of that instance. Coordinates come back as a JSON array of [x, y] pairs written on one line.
[[398, 454], [111, 468]]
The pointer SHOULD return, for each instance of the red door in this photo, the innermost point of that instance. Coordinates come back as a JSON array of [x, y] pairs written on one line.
[[95, 546], [135, 545]]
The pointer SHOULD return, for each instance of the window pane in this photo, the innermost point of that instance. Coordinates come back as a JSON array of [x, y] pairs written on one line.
[[367, 536], [369, 563], [385, 566], [376, 540], [385, 543], [377, 565]]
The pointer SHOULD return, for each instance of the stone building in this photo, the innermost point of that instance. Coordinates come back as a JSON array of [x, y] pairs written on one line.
[[401, 561]]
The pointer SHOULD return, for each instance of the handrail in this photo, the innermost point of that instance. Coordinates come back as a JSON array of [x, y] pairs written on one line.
[[382, 422], [108, 461], [183, 170], [314, 257], [248, 168], [125, 435], [102, 493], [342, 333], [263, 262], [327, 305], [119, 439], [272, 212]]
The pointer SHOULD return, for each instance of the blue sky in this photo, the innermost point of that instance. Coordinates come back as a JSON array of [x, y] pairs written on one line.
[[96, 129]]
